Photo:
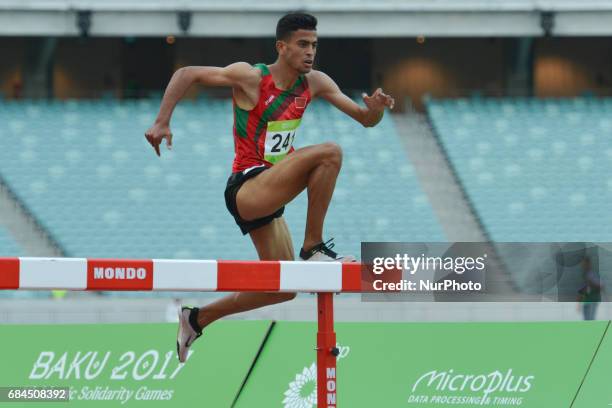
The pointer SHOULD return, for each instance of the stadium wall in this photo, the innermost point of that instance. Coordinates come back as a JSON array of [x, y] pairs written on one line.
[[78, 70], [440, 66], [11, 66], [570, 66]]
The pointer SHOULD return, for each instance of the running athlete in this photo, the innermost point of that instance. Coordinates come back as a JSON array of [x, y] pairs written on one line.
[[267, 173]]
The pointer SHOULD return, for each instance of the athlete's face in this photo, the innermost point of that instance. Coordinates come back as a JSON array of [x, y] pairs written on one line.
[[299, 50]]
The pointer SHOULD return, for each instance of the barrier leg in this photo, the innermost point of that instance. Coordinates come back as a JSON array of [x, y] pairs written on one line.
[[326, 352]]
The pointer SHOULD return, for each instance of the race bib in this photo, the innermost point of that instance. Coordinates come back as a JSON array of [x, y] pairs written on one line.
[[279, 139]]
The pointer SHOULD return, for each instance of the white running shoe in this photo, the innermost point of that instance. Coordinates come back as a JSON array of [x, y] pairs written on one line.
[[323, 253], [188, 331]]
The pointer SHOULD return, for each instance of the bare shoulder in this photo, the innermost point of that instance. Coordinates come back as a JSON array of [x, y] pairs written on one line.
[[319, 82], [316, 77], [243, 72]]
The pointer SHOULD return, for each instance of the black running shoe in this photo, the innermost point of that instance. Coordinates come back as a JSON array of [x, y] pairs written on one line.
[[323, 253]]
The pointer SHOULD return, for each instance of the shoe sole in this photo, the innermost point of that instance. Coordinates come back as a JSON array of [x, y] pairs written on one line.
[[345, 259], [178, 335]]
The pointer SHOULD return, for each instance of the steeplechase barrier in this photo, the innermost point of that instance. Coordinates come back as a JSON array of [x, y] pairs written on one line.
[[322, 278]]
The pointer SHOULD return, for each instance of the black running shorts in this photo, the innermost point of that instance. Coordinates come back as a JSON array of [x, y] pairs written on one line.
[[234, 183]]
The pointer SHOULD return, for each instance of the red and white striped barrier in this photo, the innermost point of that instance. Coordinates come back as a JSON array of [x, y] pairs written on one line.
[[178, 275], [325, 278]]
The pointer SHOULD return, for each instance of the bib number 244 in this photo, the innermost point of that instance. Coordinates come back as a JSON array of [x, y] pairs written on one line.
[[279, 139]]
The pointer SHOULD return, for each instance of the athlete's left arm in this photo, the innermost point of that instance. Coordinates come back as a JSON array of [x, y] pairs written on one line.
[[322, 85]]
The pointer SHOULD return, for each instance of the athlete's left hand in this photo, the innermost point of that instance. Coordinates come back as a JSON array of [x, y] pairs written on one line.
[[378, 101]]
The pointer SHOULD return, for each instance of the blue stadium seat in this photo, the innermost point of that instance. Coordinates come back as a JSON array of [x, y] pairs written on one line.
[[84, 169], [535, 170]]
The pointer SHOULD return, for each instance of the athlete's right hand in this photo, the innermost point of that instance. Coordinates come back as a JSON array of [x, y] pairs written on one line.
[[156, 134]]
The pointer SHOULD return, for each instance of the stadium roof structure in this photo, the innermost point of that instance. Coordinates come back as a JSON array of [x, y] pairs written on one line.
[[339, 18]]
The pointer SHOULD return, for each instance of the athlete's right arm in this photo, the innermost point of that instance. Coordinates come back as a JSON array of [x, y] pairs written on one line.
[[237, 75]]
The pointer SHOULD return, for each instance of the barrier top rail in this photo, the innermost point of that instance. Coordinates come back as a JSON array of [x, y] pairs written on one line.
[[28, 273]]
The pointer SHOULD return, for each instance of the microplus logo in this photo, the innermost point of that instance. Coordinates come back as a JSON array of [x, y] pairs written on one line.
[[449, 387], [120, 273]]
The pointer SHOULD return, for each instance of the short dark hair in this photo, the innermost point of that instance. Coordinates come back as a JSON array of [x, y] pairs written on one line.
[[294, 21]]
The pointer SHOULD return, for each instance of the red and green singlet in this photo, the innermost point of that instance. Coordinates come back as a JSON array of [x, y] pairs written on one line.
[[265, 134]]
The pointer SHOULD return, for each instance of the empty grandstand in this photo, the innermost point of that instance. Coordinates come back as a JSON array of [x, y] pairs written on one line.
[[499, 150], [535, 170], [85, 172], [80, 82]]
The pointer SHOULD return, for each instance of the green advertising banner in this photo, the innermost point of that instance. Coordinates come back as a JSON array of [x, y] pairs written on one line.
[[532, 365], [130, 365], [596, 391]]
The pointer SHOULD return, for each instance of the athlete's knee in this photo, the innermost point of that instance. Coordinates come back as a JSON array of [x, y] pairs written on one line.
[[290, 296], [331, 154], [285, 297]]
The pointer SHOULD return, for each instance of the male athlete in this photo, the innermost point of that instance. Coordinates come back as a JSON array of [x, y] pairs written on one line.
[[269, 101]]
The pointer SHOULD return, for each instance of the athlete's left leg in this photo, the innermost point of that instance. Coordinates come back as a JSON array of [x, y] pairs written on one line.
[[273, 243]]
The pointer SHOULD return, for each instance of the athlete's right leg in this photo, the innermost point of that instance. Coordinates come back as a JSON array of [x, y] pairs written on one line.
[[314, 168]]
